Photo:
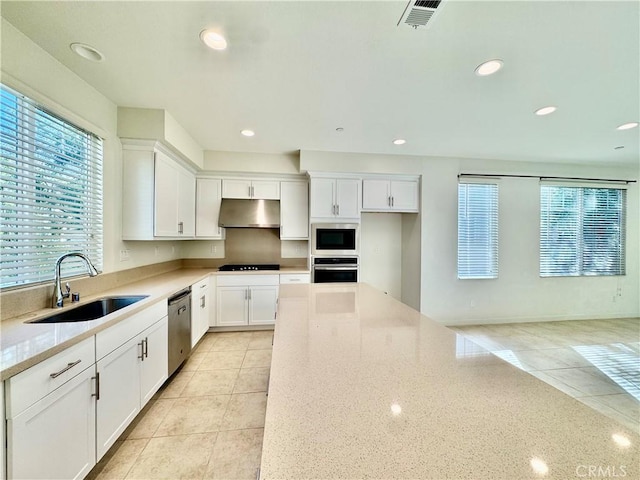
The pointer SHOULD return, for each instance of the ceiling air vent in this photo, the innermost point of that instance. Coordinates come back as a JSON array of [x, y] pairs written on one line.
[[418, 13]]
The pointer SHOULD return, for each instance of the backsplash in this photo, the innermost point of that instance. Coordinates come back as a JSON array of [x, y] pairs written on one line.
[[19, 301]]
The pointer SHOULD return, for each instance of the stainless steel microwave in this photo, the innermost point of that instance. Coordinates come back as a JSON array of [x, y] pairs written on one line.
[[335, 239]]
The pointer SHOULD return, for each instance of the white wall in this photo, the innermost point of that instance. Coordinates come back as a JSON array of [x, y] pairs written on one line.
[[381, 252], [519, 294], [32, 71]]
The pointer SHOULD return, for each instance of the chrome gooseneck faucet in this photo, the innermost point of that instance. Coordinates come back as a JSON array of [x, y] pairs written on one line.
[[58, 295]]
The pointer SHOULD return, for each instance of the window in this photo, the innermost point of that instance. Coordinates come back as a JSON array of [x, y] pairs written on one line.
[[51, 187], [582, 231], [477, 230]]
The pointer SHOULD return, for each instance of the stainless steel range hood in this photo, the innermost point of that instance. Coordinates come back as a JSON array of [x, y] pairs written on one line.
[[240, 213]]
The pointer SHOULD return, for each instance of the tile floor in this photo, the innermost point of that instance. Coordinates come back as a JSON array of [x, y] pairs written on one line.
[[594, 361], [206, 422]]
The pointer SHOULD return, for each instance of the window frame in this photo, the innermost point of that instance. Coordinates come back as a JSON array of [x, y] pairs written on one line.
[[466, 253], [41, 136], [581, 219]]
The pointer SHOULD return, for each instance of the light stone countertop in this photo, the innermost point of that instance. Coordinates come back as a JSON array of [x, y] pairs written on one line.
[[363, 386], [23, 345]]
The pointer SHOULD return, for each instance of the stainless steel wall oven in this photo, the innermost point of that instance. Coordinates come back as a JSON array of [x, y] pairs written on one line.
[[335, 269]]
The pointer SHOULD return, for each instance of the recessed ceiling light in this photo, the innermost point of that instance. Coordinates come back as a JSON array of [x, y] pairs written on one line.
[[399, 141], [248, 133], [87, 52], [627, 126], [545, 110], [489, 67], [213, 39]]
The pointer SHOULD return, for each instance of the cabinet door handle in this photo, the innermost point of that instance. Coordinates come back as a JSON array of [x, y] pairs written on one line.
[[97, 379], [69, 366], [249, 290], [203, 301], [180, 228], [146, 347], [246, 294], [338, 209], [141, 356], [392, 201]]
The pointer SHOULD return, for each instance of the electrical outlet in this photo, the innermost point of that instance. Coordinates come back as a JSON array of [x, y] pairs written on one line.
[[619, 292], [173, 249], [124, 255], [214, 248]]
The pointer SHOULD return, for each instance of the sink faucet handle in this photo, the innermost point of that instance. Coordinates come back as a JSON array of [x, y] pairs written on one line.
[[67, 287]]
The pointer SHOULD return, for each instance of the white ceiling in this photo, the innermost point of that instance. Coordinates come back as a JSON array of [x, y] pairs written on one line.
[[295, 71]]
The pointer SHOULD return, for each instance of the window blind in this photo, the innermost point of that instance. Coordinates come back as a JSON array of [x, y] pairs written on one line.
[[477, 230], [51, 186], [582, 231]]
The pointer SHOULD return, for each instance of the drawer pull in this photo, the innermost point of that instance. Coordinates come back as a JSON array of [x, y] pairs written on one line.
[[68, 367]]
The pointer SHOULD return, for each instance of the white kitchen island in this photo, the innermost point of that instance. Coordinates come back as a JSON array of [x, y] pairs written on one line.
[[363, 386]]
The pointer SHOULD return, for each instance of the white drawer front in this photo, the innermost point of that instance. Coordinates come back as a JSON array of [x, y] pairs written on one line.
[[295, 278], [26, 388], [111, 338], [247, 280]]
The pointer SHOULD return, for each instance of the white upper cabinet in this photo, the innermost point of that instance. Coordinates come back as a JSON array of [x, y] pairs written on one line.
[[294, 211], [251, 189], [208, 199], [158, 195], [390, 195], [335, 198]]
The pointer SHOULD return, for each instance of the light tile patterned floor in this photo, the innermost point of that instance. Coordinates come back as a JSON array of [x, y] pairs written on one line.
[[594, 361], [206, 422]]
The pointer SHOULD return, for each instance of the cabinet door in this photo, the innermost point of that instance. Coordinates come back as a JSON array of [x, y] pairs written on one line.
[[294, 211], [119, 401], [208, 199], [265, 189], [404, 195], [263, 302], [200, 310], [186, 203], [154, 364], [322, 197], [348, 198], [232, 306], [165, 197], [236, 188], [375, 195], [56, 436]]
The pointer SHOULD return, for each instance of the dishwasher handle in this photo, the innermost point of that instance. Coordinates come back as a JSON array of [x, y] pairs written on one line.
[[179, 296]]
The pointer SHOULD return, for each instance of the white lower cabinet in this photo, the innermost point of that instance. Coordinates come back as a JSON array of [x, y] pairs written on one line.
[[129, 376], [200, 309], [247, 300], [55, 437]]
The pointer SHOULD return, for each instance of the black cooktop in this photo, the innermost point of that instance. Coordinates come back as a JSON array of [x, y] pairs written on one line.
[[239, 267]]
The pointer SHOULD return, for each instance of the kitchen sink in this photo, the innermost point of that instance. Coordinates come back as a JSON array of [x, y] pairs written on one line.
[[92, 310]]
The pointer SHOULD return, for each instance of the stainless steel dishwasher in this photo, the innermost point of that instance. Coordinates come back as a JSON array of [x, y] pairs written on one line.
[[179, 328]]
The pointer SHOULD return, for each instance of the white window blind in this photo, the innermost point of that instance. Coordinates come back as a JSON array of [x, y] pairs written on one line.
[[51, 186], [477, 230], [582, 231]]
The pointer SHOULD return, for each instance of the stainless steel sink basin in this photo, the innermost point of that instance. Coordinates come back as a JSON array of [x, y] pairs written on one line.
[[92, 311]]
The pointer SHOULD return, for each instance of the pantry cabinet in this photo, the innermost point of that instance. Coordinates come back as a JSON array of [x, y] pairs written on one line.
[[158, 194], [251, 189], [208, 199], [294, 211], [390, 195], [200, 309], [335, 198], [247, 300], [51, 410]]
